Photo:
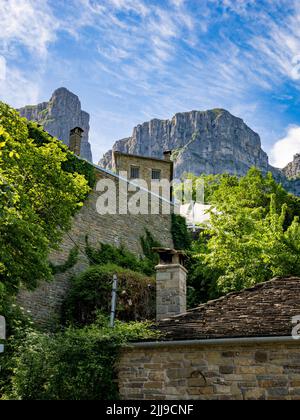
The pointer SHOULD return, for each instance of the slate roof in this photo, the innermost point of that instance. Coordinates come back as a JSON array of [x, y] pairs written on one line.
[[265, 310]]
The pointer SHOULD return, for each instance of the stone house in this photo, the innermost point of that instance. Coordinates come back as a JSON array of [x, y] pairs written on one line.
[[237, 347]]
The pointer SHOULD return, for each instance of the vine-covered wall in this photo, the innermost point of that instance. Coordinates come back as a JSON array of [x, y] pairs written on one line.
[[45, 302]]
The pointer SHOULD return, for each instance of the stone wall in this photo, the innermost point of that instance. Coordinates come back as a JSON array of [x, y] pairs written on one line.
[[218, 372], [45, 302]]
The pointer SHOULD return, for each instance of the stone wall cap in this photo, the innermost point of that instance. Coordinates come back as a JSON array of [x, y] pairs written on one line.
[[171, 251], [165, 267]]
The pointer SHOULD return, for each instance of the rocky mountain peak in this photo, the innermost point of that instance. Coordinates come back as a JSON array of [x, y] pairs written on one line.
[[59, 115], [210, 142]]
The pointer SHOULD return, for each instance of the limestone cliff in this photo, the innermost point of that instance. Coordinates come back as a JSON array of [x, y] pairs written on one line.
[[209, 142], [58, 116], [292, 170]]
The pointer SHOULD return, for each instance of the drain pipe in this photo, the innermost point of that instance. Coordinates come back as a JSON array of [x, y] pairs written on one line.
[[113, 301], [2, 332]]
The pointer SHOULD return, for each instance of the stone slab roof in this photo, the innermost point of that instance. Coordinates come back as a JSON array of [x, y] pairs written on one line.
[[265, 310]]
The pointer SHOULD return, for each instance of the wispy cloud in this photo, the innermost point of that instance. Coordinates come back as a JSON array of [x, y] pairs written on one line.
[[27, 23], [18, 89], [150, 58], [28, 28]]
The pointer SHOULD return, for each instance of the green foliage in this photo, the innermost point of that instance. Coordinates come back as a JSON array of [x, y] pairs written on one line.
[[201, 278], [181, 236], [90, 293], [148, 243], [17, 323], [254, 235], [37, 200], [106, 253], [72, 164], [76, 364]]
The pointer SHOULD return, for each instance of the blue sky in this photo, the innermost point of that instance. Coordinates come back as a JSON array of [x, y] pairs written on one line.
[[133, 60]]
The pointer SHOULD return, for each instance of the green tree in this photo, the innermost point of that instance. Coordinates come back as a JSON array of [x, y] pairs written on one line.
[[254, 234], [37, 199]]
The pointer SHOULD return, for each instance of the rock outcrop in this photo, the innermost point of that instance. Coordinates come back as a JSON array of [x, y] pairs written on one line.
[[209, 142], [292, 170], [58, 116]]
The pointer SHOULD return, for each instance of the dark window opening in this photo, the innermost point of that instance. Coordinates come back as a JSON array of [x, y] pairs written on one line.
[[134, 172], [156, 174]]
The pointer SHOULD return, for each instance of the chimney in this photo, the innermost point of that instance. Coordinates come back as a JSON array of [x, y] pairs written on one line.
[[75, 140], [167, 155], [170, 283]]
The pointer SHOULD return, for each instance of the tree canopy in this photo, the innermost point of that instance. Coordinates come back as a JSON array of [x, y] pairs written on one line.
[[254, 234], [38, 197]]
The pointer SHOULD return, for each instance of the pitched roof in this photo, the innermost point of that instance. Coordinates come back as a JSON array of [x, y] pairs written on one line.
[[265, 310]]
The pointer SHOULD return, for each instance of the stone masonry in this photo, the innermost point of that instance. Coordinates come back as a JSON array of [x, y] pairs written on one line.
[[170, 290], [211, 372], [46, 301], [241, 346]]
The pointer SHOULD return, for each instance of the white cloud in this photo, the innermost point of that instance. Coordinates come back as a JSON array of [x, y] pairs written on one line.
[[284, 149], [19, 90], [28, 23], [177, 3], [27, 29]]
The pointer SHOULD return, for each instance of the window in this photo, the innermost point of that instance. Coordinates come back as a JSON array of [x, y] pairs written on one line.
[[156, 174], [134, 172]]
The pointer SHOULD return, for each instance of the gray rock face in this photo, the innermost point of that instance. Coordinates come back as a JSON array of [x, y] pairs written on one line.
[[58, 116], [208, 142], [292, 170]]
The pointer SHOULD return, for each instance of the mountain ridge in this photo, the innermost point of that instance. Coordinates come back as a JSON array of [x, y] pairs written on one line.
[[202, 142]]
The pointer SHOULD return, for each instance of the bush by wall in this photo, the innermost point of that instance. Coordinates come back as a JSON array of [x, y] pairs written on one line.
[[90, 292], [106, 253], [76, 364]]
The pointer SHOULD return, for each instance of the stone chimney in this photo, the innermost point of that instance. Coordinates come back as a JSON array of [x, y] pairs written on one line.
[[170, 283], [75, 140], [167, 155]]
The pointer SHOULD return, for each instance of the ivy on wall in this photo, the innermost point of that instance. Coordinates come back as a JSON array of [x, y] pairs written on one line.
[[71, 262], [72, 164], [181, 236]]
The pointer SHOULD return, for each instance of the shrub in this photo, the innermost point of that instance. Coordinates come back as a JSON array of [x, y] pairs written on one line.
[[17, 323], [76, 364], [91, 292], [120, 256]]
